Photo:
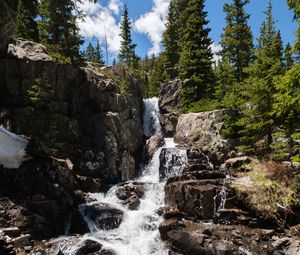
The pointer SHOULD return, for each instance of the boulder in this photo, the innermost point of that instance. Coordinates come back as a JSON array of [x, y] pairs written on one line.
[[156, 141], [192, 197], [27, 50], [169, 105], [88, 184], [89, 247], [202, 131], [103, 215], [169, 96]]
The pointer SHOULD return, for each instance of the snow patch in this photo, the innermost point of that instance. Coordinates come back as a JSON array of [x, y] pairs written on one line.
[[12, 149]]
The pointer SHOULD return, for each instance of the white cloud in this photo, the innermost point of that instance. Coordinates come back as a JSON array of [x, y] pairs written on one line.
[[114, 6], [100, 20], [153, 24], [215, 49]]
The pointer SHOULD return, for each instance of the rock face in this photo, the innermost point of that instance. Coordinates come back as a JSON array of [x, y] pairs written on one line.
[[44, 192], [155, 142], [95, 126], [7, 17], [202, 130], [169, 100]]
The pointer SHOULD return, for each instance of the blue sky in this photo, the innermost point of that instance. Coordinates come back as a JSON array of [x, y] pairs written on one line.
[[148, 17]]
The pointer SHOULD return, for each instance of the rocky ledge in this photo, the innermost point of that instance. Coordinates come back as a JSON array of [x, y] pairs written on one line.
[[83, 133]]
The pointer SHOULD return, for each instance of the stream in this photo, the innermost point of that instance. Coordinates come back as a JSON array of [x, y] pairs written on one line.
[[138, 233]]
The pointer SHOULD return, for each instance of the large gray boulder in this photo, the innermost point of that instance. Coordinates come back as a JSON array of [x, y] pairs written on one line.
[[28, 50], [202, 131]]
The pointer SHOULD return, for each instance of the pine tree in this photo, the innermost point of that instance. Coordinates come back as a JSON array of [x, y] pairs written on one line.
[[295, 6], [22, 22], [58, 28], [286, 107], [98, 58], [26, 27], [89, 53], [195, 63], [237, 40], [258, 121], [171, 42], [127, 51], [156, 78], [288, 58]]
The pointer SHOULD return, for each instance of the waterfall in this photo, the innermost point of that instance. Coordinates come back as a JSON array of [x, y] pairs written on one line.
[[138, 233], [151, 117]]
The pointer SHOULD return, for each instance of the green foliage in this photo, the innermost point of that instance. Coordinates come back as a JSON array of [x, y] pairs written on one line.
[[195, 63], [170, 42], [94, 54], [127, 51], [295, 6], [286, 107], [39, 116], [237, 39], [59, 30], [288, 58], [156, 77], [26, 26], [257, 121]]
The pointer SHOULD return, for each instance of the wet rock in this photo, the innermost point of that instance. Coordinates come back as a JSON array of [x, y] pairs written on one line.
[[156, 141], [133, 202], [172, 161], [103, 215], [192, 197], [89, 247], [88, 184], [126, 190], [173, 214]]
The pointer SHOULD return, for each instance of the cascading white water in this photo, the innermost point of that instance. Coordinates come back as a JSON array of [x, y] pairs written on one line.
[[151, 117], [138, 233]]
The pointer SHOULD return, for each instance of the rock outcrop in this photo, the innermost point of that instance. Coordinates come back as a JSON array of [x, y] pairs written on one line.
[[202, 131], [84, 135], [92, 123], [169, 104]]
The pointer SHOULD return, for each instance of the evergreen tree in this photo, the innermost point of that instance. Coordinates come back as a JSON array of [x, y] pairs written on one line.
[[127, 51], [195, 63], [156, 78], [98, 58], [26, 27], [295, 6], [288, 58], [22, 22], [58, 28], [225, 79], [258, 121], [287, 103], [237, 41], [171, 42], [89, 52]]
